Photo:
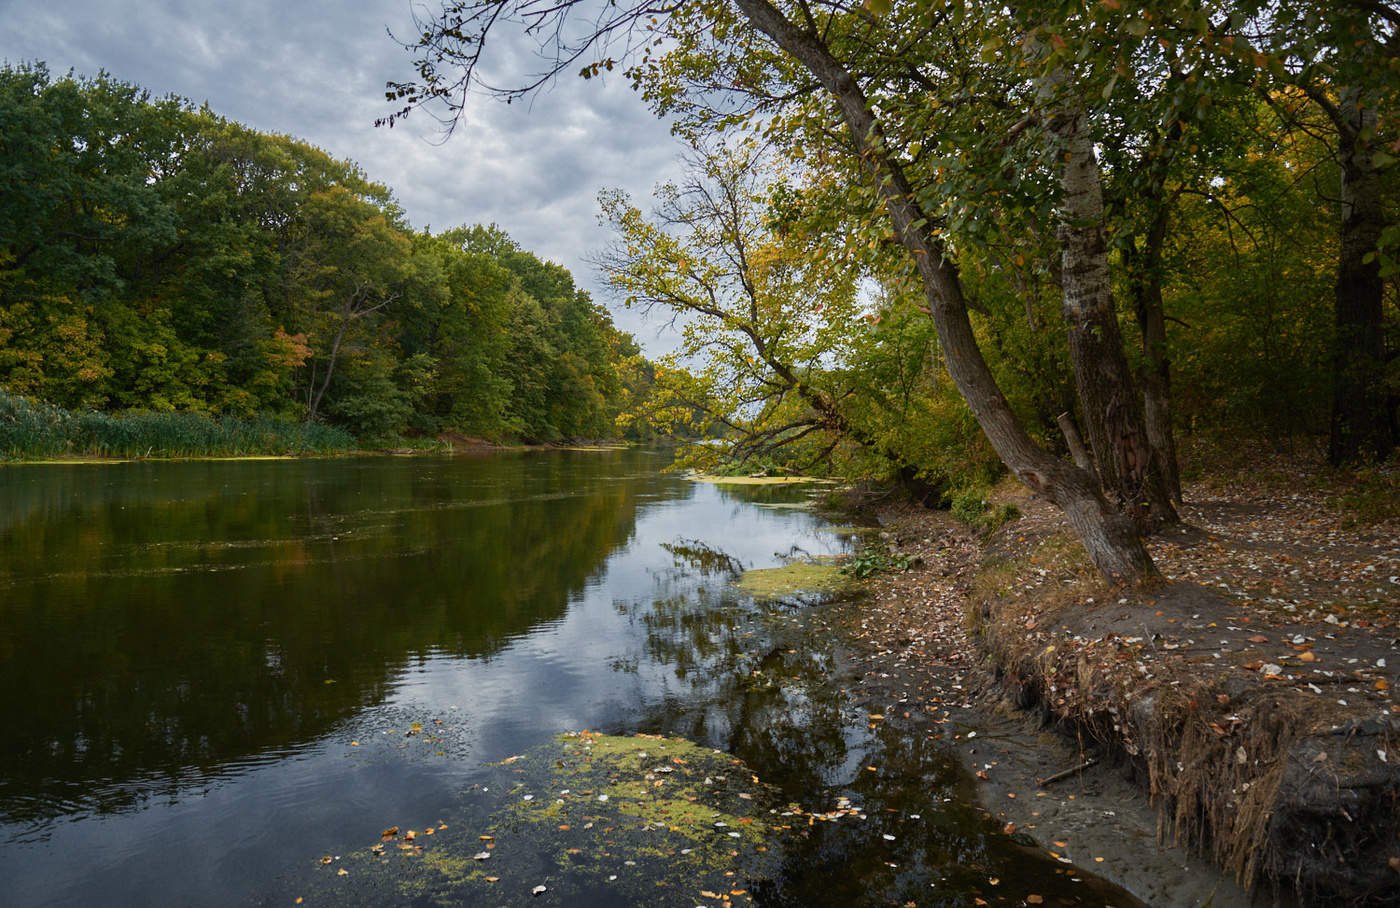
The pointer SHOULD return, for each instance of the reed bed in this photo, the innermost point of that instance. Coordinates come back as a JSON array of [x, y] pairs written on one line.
[[32, 430]]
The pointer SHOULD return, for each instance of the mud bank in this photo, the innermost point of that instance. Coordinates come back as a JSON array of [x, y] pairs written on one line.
[[1257, 748]]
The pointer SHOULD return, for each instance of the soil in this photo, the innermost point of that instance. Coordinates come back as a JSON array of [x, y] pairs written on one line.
[[1239, 719]]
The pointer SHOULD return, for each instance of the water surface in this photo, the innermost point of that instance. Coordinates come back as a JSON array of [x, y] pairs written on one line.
[[218, 671]]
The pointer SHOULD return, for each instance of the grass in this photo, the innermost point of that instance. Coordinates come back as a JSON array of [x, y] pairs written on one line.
[[36, 431]]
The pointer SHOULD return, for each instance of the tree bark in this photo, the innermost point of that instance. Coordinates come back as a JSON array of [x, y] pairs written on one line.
[[1109, 537], [1361, 422], [1145, 278], [1107, 393], [1077, 452]]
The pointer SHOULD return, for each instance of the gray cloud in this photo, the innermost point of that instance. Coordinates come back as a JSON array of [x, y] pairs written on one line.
[[316, 70]]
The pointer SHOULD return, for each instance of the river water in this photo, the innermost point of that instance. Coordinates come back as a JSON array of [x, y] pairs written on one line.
[[216, 673]]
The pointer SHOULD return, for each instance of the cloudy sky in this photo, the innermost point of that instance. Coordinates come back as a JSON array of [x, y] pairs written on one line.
[[316, 69]]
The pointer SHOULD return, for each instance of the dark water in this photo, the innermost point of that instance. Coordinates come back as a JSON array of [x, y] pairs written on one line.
[[212, 671]]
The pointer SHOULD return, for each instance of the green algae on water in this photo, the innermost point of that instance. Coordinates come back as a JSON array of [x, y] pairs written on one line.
[[794, 579], [756, 480], [594, 819]]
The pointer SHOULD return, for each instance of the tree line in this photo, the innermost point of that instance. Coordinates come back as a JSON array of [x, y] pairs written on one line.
[[157, 257], [1078, 226]]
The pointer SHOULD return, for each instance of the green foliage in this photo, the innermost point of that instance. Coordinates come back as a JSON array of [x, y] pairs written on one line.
[[972, 506], [156, 257], [31, 430], [877, 559]]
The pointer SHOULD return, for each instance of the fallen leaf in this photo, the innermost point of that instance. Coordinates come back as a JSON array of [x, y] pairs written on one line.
[[1258, 638], [1034, 900], [326, 859], [389, 833], [342, 872]]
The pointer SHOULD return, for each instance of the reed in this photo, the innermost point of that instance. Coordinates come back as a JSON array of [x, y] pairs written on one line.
[[32, 429]]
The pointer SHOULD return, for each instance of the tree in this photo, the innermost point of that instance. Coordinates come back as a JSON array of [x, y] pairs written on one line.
[[457, 37], [765, 317], [1345, 58]]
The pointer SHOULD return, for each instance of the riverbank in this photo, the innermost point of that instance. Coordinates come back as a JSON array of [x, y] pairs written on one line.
[[1242, 714]]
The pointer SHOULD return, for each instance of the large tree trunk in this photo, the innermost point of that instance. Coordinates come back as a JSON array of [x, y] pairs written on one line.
[[1107, 392], [1361, 423], [1109, 537]]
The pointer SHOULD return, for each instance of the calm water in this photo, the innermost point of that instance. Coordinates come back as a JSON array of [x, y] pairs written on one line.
[[211, 669]]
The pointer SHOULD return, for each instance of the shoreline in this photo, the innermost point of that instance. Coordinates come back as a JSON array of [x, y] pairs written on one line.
[[907, 643], [467, 447], [1028, 667]]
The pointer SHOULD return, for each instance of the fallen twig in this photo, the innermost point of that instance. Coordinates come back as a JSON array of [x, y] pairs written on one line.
[[1065, 774]]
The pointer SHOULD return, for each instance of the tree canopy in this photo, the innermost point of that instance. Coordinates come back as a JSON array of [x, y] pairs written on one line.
[[155, 256], [1123, 218]]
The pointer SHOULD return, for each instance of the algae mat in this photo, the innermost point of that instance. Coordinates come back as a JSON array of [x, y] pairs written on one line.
[[821, 578], [585, 819]]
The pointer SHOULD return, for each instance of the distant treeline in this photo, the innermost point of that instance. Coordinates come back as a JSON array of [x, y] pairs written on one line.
[[156, 257]]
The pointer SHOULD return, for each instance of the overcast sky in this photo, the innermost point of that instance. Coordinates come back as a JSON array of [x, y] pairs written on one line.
[[316, 69]]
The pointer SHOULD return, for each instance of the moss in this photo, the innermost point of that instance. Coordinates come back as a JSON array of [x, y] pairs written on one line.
[[795, 578], [755, 480]]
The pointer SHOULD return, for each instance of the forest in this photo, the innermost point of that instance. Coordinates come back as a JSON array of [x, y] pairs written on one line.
[[953, 239], [174, 281], [922, 241]]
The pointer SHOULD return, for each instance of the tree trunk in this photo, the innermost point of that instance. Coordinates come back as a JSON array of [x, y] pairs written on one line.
[[1361, 424], [1145, 277], [1109, 537], [1107, 393]]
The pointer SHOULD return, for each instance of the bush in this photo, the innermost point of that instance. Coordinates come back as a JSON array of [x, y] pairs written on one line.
[[972, 506]]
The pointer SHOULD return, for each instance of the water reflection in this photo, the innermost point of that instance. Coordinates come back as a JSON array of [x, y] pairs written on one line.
[[162, 621], [220, 672]]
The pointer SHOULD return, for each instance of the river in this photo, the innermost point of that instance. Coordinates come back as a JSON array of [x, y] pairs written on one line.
[[217, 675]]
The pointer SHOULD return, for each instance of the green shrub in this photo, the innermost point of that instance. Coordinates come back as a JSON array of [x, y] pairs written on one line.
[[875, 559], [972, 506]]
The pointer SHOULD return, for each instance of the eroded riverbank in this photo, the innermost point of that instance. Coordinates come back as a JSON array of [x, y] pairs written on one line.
[[1251, 704]]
